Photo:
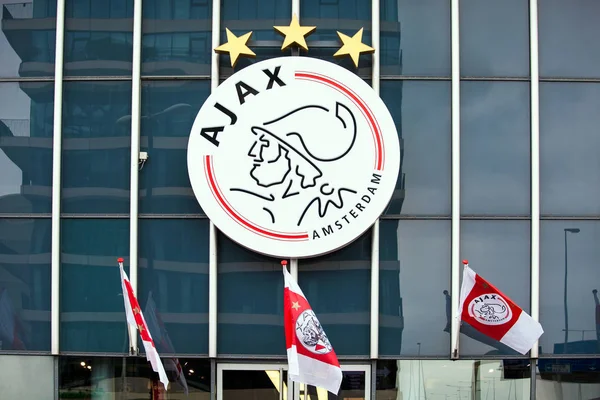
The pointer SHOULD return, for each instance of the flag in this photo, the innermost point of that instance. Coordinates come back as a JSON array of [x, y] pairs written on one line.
[[136, 318], [311, 358], [492, 313], [159, 331], [10, 326]]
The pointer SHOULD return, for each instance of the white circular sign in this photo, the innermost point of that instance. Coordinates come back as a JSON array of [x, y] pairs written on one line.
[[311, 334], [490, 309], [293, 157]]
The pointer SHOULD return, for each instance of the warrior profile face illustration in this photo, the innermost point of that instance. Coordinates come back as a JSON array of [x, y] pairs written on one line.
[[290, 151], [311, 333]]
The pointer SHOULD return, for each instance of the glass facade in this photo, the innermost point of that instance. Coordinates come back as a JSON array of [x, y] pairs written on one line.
[[216, 308]]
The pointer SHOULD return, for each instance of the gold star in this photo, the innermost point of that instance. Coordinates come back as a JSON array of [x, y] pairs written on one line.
[[294, 33], [141, 328], [136, 310], [295, 305], [353, 46], [236, 47]]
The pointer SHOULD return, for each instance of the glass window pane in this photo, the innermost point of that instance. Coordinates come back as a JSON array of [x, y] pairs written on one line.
[[348, 17], [176, 37], [169, 109], [96, 147], [115, 378], [28, 38], [499, 251], [26, 123], [410, 252], [173, 290], [250, 300], [243, 16], [449, 380], [92, 313], [25, 284], [494, 38], [421, 111], [569, 142], [566, 30], [567, 378], [338, 288], [98, 38], [415, 37], [495, 148], [26, 377], [569, 276]]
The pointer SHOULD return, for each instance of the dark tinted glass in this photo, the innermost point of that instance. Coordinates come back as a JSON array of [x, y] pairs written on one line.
[[173, 289], [25, 284], [26, 122], [176, 37], [573, 378], [569, 276], [345, 16], [499, 251], [421, 111], [566, 30], [415, 37], [98, 37], [88, 377], [449, 380], [338, 288], [96, 147], [27, 38], [243, 16], [495, 148], [250, 301], [92, 313], [410, 253], [169, 110], [569, 143], [494, 38]]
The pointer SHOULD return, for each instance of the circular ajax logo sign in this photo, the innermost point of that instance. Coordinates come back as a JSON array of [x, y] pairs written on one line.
[[293, 157], [490, 309], [311, 334]]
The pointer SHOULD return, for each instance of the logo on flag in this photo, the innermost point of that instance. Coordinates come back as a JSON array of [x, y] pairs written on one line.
[[492, 313], [311, 334], [490, 309], [311, 358]]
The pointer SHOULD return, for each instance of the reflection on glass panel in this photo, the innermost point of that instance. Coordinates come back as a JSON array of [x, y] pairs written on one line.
[[25, 284], [168, 112], [338, 288], [450, 380], [92, 315], [347, 17], [27, 377], [569, 143], [173, 276], [27, 38], [131, 378], [254, 384], [243, 16], [98, 37], [499, 251], [494, 38], [250, 300], [415, 37], [569, 281], [176, 37], [421, 111], [565, 31], [26, 119], [410, 252], [564, 378], [96, 147], [495, 146]]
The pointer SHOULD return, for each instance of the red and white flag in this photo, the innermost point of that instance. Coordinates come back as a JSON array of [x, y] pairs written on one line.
[[492, 313], [311, 358], [136, 319]]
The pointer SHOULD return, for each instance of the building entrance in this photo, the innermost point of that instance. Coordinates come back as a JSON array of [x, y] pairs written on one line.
[[271, 382]]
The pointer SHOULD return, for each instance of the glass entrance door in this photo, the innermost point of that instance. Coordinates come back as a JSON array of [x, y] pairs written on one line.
[[271, 382]]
